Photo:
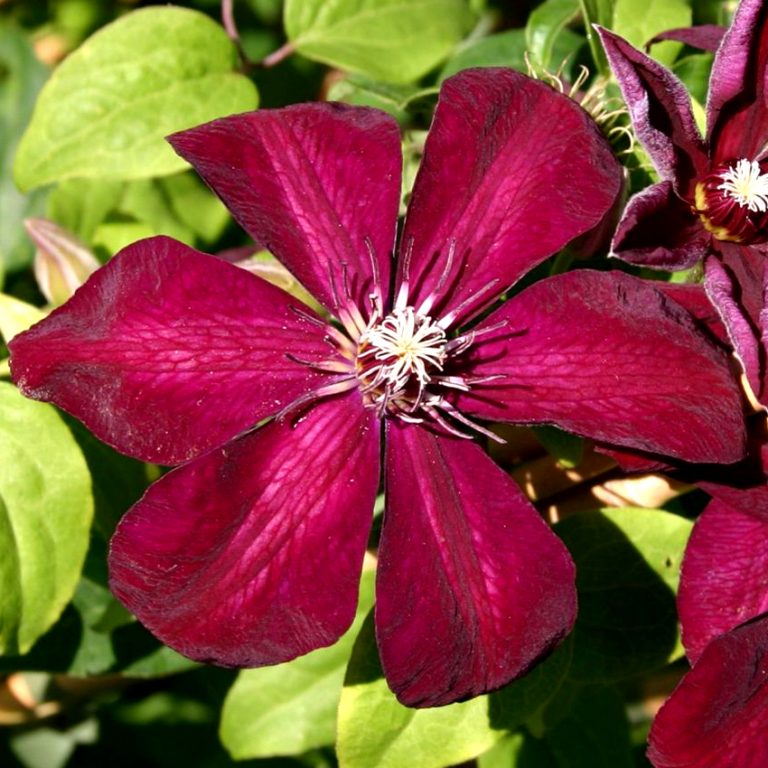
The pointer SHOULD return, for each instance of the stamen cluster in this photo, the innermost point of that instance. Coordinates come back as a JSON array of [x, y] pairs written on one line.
[[398, 356], [732, 202]]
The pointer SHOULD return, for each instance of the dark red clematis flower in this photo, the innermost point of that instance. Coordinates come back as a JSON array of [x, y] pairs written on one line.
[[717, 717], [712, 201], [249, 553]]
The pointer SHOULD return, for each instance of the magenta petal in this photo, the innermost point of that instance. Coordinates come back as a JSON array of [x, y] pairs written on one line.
[[251, 554], [658, 230], [705, 37], [717, 717], [472, 586], [723, 582], [166, 352], [735, 285], [737, 113], [660, 108], [512, 171], [608, 356], [312, 183]]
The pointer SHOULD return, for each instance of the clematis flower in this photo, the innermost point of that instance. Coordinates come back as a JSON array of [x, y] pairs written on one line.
[[249, 552], [717, 715], [711, 203]]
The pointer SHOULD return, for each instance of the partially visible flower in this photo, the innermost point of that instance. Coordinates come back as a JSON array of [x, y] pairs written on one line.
[[62, 261], [717, 717], [249, 553], [712, 201]]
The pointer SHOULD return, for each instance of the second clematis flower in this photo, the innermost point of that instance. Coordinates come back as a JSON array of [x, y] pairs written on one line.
[[711, 204], [249, 553]]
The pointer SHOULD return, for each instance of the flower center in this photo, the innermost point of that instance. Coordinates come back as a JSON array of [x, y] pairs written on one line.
[[397, 357], [732, 202], [747, 185]]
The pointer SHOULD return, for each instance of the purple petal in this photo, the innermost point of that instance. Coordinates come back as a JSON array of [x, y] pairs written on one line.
[[251, 554], [694, 299], [312, 183], [717, 717], [660, 108], [608, 356], [166, 352], [472, 586], [512, 171], [705, 37], [723, 581], [735, 282], [659, 230], [737, 113]]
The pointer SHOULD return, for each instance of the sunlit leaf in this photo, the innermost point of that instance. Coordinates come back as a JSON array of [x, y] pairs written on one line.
[[627, 566], [392, 40], [639, 20], [429, 738], [107, 108], [46, 508], [291, 708], [21, 77]]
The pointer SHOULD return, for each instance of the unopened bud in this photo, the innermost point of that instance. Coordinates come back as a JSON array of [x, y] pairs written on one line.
[[62, 262]]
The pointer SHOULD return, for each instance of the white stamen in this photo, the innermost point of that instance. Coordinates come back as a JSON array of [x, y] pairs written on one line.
[[406, 345], [747, 185]]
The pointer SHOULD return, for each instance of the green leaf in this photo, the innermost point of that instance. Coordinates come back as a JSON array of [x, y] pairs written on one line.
[[291, 708], [21, 77], [694, 71], [45, 516], [16, 316], [80, 205], [627, 566], [523, 698], [107, 108], [639, 20], [393, 40], [429, 738], [597, 12], [591, 730], [568, 449], [505, 49], [545, 24]]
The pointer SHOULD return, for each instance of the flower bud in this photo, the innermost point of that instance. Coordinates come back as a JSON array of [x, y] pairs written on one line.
[[62, 262]]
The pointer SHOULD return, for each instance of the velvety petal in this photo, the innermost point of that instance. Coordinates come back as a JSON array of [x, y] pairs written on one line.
[[737, 113], [717, 717], [723, 581], [512, 171], [735, 280], [166, 352], [693, 297], [312, 183], [251, 554], [608, 356], [705, 37], [658, 230], [472, 586], [660, 108]]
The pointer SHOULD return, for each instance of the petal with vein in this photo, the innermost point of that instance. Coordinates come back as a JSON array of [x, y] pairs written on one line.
[[311, 183], [512, 171], [660, 108], [251, 555], [723, 581], [608, 356], [717, 717], [658, 230], [472, 586], [737, 113], [166, 352]]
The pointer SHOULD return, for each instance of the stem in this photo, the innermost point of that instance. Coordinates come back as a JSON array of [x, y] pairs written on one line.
[[230, 27], [282, 53]]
